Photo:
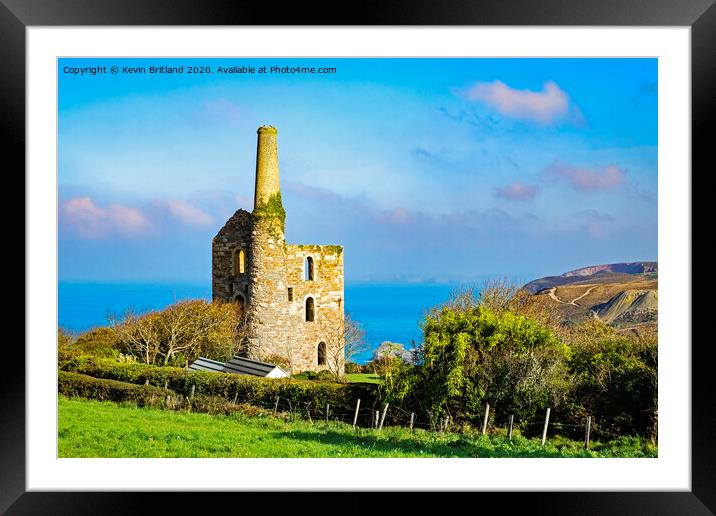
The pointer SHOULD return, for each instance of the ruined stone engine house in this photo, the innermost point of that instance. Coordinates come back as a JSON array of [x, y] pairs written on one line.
[[291, 295]]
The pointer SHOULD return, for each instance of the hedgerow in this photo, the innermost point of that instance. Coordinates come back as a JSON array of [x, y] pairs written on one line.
[[83, 386], [233, 387]]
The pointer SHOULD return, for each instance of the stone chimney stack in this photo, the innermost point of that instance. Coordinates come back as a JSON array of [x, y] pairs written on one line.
[[267, 182]]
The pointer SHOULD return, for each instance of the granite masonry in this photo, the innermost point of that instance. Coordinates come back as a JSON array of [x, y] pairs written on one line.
[[291, 295]]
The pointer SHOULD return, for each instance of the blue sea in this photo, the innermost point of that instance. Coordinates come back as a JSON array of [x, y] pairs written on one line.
[[385, 311]]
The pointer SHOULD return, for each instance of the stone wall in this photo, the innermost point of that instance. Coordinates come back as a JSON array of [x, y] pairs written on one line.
[[269, 326], [235, 235], [277, 326], [326, 289]]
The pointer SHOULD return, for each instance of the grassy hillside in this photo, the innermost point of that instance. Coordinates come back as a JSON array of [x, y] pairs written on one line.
[[576, 301], [105, 429]]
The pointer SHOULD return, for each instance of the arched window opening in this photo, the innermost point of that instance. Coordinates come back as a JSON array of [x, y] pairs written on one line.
[[308, 269], [239, 262], [321, 353], [310, 309]]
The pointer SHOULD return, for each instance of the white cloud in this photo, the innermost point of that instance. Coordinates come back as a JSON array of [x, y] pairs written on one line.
[[89, 221], [517, 191], [545, 107], [86, 219], [586, 179], [188, 214]]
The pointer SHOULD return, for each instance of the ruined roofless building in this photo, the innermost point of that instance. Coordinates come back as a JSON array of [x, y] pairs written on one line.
[[292, 295]]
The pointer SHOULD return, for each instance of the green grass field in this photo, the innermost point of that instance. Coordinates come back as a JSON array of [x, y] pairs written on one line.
[[103, 429], [362, 378]]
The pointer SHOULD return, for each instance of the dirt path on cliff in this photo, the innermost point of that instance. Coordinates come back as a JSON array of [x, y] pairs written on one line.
[[574, 301], [551, 293]]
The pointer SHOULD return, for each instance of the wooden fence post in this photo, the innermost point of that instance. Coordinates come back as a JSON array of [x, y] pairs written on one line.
[[275, 406], [377, 418], [447, 422], [544, 430], [166, 385], [308, 411], [328, 407], [193, 389], [412, 419], [586, 435], [355, 417], [484, 421], [382, 419], [509, 430]]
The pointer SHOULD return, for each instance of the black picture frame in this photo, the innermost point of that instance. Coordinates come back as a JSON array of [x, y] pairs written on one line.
[[700, 15]]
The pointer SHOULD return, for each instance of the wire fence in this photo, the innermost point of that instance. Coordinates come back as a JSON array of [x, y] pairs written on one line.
[[379, 415]]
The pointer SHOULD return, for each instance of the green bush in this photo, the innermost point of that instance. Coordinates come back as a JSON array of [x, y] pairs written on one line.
[[83, 386], [503, 349], [65, 350], [305, 375], [64, 339], [353, 368], [100, 342], [474, 355], [242, 388], [325, 375], [615, 381]]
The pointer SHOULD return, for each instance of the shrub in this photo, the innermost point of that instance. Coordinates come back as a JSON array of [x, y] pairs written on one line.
[[83, 386], [353, 368], [473, 354], [242, 388], [325, 375], [74, 384], [615, 381], [64, 339], [65, 351], [99, 342], [305, 375]]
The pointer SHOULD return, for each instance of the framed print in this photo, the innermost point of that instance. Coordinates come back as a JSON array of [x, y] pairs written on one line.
[[417, 253]]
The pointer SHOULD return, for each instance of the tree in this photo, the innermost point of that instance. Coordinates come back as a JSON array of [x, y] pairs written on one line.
[[475, 349], [343, 345], [138, 333], [391, 356], [180, 333], [64, 339], [65, 350]]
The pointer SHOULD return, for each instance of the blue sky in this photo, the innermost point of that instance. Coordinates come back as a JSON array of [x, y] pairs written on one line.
[[427, 170]]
